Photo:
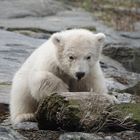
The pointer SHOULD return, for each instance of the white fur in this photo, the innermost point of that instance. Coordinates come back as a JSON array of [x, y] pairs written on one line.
[[49, 70]]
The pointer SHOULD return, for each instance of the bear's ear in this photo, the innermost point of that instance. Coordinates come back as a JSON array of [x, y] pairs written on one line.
[[100, 38], [57, 39]]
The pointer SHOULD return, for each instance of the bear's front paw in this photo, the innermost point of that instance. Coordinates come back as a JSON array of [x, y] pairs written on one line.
[[112, 99], [24, 117]]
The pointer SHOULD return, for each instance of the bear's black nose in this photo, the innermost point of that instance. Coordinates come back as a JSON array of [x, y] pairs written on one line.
[[79, 75]]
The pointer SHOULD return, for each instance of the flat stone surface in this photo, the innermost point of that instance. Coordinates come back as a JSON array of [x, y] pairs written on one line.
[[50, 15], [21, 9], [14, 49], [53, 23]]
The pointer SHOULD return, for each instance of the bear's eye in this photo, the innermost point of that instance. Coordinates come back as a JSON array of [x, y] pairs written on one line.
[[88, 58], [71, 58]]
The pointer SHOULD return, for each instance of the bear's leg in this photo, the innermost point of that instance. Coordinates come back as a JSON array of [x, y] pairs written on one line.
[[22, 104], [43, 83], [25, 117], [98, 84], [100, 87], [98, 81]]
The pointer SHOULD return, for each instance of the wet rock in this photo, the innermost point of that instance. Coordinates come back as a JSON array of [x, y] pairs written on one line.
[[7, 133]]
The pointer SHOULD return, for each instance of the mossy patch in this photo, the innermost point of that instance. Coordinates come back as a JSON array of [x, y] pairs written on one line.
[[59, 112], [56, 112], [132, 110]]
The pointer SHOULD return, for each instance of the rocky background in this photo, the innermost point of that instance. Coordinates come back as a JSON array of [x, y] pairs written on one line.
[[24, 25]]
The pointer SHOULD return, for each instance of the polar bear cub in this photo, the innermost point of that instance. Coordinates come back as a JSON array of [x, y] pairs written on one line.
[[68, 61]]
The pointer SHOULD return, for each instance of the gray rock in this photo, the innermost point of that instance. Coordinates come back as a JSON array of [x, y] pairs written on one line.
[[125, 49], [21, 9], [124, 97], [42, 17], [14, 49], [26, 126], [128, 55], [112, 138], [7, 133], [69, 19], [129, 135], [79, 136], [86, 136], [117, 77]]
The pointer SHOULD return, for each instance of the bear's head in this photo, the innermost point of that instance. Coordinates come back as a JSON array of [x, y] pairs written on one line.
[[78, 51]]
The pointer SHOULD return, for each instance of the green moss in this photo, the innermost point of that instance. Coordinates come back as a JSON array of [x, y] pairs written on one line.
[[130, 109], [56, 111]]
